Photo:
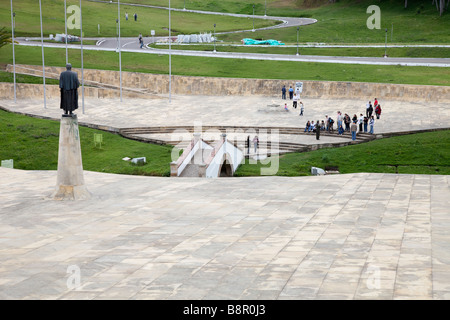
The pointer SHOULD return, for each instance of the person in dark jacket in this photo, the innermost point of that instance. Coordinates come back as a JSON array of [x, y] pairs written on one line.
[[317, 130]]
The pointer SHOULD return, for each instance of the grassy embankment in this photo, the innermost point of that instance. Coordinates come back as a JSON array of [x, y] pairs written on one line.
[[421, 153], [33, 145]]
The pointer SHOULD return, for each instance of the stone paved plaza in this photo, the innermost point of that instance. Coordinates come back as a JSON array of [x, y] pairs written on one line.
[[352, 236], [188, 110]]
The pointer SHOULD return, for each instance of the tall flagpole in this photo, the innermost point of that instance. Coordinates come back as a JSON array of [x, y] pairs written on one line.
[[14, 55], [43, 61], [170, 62], [120, 51], [82, 63], [65, 26]]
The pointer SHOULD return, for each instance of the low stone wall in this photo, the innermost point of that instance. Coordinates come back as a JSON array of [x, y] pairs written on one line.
[[183, 85], [36, 91]]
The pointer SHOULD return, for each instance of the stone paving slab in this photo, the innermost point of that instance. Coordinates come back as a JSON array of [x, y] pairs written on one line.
[[191, 110], [329, 237]]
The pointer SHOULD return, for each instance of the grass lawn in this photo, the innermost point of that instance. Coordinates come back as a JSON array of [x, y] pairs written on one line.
[[349, 52], [33, 145], [105, 15], [340, 22], [230, 68], [20, 78], [345, 22], [422, 153]]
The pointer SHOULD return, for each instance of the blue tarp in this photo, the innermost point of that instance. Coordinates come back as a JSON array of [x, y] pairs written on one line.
[[248, 41]]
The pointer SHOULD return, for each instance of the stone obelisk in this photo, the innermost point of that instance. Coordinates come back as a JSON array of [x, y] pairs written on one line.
[[70, 182]]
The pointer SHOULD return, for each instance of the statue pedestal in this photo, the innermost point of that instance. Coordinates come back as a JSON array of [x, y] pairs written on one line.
[[70, 181]]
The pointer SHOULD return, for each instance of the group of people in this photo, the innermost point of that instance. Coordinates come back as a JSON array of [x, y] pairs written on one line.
[[295, 97], [284, 90], [126, 16], [347, 124]]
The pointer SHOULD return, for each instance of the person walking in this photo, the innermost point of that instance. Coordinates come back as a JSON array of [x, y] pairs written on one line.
[[247, 144], [301, 108], [339, 119], [141, 40], [294, 102], [126, 16], [347, 122], [371, 123], [283, 93], [368, 105], [317, 130], [378, 111], [331, 124], [135, 17], [360, 122], [370, 111], [353, 128], [255, 143], [291, 93]]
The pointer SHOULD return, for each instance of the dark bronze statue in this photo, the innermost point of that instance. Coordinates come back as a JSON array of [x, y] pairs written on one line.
[[68, 84]]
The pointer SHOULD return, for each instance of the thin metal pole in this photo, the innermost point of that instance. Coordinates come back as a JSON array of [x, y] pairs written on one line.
[[120, 51], [265, 8], [385, 45], [184, 7], [65, 26], [392, 30], [82, 62], [298, 28], [13, 24], [43, 60], [170, 61], [253, 18], [214, 37]]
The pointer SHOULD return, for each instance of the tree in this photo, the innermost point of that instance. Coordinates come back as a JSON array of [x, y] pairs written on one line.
[[5, 37], [440, 5]]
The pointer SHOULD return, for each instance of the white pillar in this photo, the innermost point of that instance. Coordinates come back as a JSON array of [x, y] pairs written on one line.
[[82, 62], [14, 54], [170, 61], [43, 59], [65, 27], [120, 51]]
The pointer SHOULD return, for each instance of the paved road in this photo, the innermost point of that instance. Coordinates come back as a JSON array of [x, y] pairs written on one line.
[[131, 45]]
